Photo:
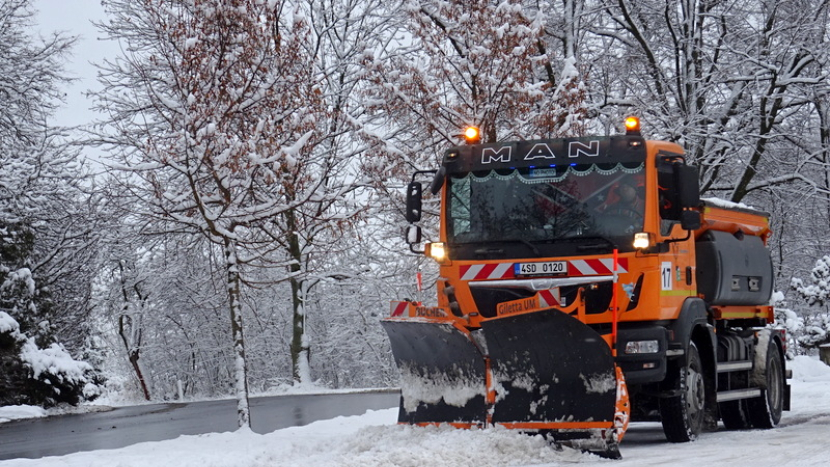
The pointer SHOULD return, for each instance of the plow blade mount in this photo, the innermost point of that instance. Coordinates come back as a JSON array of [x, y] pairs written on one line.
[[442, 373]]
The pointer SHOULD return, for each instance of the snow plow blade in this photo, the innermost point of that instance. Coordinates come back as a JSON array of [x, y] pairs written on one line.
[[543, 372], [442, 373], [555, 375]]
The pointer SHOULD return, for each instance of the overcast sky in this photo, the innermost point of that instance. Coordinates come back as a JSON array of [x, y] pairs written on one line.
[[75, 18]]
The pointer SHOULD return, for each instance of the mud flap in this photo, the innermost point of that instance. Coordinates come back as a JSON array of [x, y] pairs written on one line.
[[554, 374], [442, 373]]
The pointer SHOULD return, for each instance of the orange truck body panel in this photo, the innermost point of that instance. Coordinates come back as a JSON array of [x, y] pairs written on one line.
[[669, 278]]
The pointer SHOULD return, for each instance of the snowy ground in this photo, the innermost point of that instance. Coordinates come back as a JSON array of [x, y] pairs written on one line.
[[18, 412], [374, 440]]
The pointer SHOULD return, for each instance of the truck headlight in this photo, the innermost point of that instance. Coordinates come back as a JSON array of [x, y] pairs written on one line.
[[641, 240], [640, 347], [437, 251]]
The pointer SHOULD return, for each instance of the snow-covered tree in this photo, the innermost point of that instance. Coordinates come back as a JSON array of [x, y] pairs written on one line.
[[161, 312], [815, 328], [34, 375], [219, 124], [729, 80], [45, 235], [457, 64]]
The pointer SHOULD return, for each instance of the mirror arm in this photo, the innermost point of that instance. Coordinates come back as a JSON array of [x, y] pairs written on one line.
[[675, 240]]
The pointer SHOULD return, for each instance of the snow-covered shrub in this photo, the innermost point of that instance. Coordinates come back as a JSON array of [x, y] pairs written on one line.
[[818, 291], [31, 375], [788, 319], [816, 330], [815, 325]]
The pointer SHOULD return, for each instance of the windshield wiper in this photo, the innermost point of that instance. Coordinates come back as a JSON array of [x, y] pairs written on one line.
[[525, 242], [490, 246], [605, 243]]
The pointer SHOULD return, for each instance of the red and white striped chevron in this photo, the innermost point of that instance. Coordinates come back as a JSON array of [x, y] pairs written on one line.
[[398, 308], [548, 298], [477, 272], [576, 268], [594, 267]]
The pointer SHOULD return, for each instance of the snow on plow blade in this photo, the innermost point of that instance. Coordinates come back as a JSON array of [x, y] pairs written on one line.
[[543, 371], [550, 367], [442, 373], [554, 374]]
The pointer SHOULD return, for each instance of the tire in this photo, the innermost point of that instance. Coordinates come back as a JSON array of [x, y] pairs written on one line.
[[683, 415], [765, 411], [735, 415]]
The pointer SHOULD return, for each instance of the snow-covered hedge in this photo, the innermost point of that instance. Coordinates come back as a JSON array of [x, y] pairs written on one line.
[[35, 376], [814, 328]]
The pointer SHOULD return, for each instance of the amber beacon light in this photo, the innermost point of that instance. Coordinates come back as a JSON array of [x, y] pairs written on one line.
[[472, 135], [632, 126]]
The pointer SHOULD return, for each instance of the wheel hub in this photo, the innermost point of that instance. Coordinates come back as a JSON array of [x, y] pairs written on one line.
[[695, 392]]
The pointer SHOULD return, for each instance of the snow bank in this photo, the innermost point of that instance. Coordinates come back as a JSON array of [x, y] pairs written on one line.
[[19, 412], [370, 440], [809, 369]]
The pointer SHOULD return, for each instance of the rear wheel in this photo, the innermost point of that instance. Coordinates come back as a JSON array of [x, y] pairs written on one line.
[[765, 411], [683, 414], [735, 415]]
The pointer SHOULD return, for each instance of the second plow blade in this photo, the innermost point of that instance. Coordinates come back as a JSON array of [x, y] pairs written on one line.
[[442, 373], [555, 375]]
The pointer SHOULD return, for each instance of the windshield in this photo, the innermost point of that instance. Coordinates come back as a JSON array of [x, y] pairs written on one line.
[[585, 201]]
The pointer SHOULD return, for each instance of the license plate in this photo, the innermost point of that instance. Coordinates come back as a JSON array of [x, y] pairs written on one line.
[[549, 268]]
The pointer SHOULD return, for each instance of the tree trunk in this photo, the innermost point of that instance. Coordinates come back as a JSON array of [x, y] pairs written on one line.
[[300, 349], [132, 343], [134, 361], [240, 364], [300, 355], [133, 353]]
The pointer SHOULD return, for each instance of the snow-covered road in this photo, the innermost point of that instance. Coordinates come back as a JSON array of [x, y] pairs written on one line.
[[374, 440]]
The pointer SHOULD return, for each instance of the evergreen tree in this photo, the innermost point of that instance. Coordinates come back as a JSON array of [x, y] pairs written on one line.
[[39, 228]]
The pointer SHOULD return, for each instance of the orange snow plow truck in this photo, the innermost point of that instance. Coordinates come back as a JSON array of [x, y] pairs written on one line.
[[584, 283]]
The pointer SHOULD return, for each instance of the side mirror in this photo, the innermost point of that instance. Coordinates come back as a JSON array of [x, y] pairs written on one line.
[[688, 185], [414, 192], [690, 220], [413, 234], [413, 237]]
